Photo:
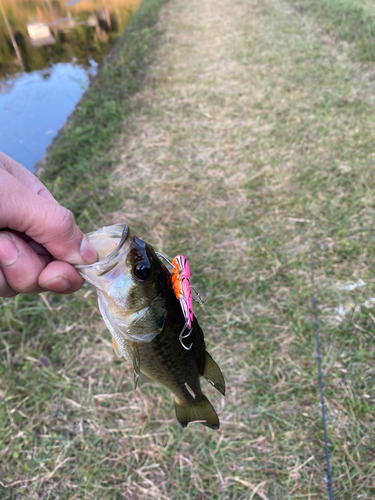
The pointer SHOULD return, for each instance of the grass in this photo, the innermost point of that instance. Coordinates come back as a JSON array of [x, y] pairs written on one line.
[[81, 157], [352, 21], [248, 142]]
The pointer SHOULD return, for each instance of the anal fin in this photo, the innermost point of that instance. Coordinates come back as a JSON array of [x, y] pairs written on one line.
[[202, 412], [213, 374]]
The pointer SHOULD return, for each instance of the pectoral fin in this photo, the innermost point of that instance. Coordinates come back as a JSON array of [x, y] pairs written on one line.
[[136, 363], [213, 374], [148, 323], [116, 348], [202, 411]]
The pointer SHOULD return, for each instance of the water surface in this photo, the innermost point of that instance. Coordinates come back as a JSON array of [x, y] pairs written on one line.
[[48, 54]]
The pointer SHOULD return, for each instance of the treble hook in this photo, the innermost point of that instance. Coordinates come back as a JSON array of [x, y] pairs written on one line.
[[197, 297], [184, 337]]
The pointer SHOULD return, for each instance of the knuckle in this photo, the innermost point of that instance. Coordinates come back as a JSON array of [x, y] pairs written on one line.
[[66, 222]]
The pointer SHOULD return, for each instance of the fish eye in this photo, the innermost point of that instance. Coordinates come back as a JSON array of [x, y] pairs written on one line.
[[141, 271]]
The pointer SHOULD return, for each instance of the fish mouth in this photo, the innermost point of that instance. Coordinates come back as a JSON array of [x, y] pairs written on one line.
[[107, 255], [124, 236]]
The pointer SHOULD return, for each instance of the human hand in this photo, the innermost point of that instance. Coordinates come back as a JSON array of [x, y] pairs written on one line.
[[39, 239]]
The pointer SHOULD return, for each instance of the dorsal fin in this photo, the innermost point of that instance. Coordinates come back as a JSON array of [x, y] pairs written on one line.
[[213, 374]]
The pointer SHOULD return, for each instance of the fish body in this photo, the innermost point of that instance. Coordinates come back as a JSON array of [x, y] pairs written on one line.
[[140, 308], [181, 287]]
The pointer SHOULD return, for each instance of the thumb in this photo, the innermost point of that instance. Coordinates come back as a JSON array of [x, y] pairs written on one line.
[[45, 221]]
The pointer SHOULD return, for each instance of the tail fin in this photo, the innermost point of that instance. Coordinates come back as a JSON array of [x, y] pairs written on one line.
[[213, 374], [202, 411]]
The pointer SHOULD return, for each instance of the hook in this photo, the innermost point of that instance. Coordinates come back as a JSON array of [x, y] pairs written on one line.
[[182, 336]]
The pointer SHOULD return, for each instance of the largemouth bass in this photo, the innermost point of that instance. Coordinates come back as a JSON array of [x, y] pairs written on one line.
[[140, 309]]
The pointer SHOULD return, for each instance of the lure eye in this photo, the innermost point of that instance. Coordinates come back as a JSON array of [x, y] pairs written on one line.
[[142, 272]]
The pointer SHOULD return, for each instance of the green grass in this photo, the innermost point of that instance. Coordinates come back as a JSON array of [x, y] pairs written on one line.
[[82, 156], [248, 143], [350, 20]]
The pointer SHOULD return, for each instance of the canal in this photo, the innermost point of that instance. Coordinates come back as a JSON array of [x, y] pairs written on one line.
[[49, 52]]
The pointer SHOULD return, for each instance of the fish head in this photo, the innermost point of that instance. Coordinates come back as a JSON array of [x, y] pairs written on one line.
[[131, 282], [149, 277]]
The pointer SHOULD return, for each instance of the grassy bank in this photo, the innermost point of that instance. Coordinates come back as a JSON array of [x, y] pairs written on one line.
[[249, 142], [352, 21], [37, 333], [82, 156]]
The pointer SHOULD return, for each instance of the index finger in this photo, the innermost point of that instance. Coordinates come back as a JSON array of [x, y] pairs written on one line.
[[43, 220], [24, 176]]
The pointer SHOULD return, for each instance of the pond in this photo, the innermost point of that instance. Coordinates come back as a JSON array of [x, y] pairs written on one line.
[[49, 52]]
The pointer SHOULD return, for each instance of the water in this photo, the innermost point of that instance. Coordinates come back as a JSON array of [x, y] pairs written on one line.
[[48, 54]]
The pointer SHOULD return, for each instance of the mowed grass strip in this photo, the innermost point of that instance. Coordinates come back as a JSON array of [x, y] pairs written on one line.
[[351, 21], [250, 143]]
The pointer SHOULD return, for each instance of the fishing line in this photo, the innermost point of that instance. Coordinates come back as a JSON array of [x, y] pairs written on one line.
[[329, 480]]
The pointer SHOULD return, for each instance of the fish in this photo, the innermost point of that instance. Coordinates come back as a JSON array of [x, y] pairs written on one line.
[[141, 310]]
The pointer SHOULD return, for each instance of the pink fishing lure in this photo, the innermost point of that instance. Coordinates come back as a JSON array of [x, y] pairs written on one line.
[[181, 287]]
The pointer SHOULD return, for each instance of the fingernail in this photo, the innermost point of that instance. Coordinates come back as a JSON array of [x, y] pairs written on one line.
[[9, 253], [88, 252], [59, 284]]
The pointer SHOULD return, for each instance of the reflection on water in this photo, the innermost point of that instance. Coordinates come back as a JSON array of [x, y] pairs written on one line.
[[48, 52], [36, 108]]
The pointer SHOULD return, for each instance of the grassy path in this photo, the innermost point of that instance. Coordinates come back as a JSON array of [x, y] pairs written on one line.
[[255, 143], [250, 142]]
